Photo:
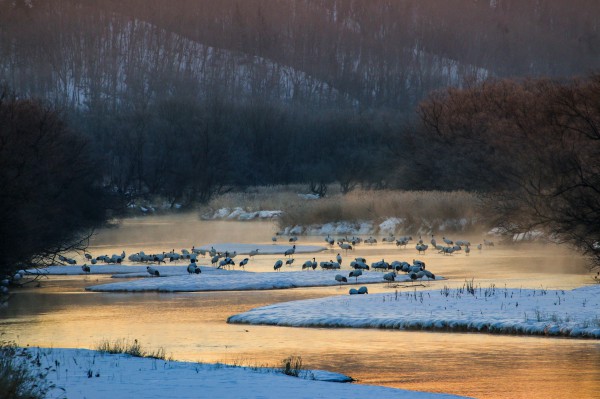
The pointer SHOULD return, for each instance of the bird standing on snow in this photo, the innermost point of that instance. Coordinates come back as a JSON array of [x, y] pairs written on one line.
[[193, 268], [308, 264], [152, 271], [341, 279], [339, 258], [389, 277], [355, 273], [85, 268]]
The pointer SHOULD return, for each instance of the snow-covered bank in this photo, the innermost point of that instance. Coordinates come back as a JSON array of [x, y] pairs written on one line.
[[124, 271], [573, 313], [240, 281], [239, 213], [79, 373]]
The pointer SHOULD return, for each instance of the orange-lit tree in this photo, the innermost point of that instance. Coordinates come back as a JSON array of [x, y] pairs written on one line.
[[534, 148]]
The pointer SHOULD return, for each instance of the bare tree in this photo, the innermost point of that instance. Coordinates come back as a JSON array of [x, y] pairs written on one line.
[[50, 200], [536, 144]]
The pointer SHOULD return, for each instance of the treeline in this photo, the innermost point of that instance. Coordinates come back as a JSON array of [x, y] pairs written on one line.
[[534, 145], [387, 53], [185, 100], [187, 151], [375, 54]]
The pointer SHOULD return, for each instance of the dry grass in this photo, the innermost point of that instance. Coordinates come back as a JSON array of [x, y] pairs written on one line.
[[129, 348], [20, 373], [417, 207]]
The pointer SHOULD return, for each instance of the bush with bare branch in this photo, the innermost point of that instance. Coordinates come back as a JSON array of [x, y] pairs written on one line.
[[50, 199], [535, 145]]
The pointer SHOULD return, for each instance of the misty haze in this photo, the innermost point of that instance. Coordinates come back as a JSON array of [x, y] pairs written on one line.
[[300, 199]]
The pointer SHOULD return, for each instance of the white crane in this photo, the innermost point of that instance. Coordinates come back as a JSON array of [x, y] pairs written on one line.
[[277, 265], [340, 279], [291, 251], [345, 246], [330, 240], [193, 268], [355, 273], [389, 277], [308, 264], [422, 247], [371, 241]]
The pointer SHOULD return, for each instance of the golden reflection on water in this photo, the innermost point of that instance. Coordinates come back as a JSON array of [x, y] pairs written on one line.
[[191, 326]]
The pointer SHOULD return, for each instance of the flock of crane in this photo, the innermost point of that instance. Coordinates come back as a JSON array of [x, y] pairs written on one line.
[[225, 260]]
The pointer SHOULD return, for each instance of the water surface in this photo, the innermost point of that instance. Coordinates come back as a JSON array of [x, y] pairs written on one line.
[[191, 326]]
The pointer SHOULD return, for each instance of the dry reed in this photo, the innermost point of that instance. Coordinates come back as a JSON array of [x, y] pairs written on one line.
[[418, 208]]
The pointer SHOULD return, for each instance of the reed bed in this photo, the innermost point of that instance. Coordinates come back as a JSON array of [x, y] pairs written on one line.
[[418, 208]]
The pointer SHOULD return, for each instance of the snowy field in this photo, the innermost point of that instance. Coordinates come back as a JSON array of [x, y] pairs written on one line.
[[80, 373], [574, 313], [223, 280]]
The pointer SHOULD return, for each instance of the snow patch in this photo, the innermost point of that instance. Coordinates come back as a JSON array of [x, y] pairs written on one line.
[[574, 313], [389, 225], [96, 375]]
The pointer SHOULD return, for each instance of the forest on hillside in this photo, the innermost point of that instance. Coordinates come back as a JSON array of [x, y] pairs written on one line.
[[188, 99]]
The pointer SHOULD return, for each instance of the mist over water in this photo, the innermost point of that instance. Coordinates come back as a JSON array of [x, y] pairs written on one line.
[[156, 234], [192, 326]]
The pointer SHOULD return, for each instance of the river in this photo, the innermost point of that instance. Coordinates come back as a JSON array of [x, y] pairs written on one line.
[[191, 326]]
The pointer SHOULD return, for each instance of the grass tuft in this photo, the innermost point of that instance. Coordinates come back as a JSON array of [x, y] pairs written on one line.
[[18, 380], [292, 365], [128, 347]]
